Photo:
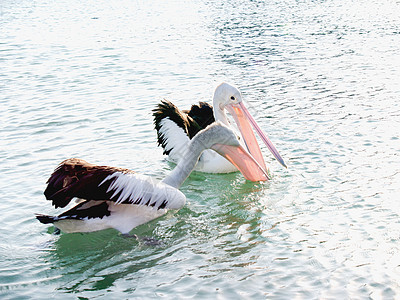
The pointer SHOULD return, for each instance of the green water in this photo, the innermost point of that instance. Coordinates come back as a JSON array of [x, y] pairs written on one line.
[[79, 79]]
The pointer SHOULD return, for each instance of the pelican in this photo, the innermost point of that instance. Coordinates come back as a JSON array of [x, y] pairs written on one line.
[[122, 199], [175, 128]]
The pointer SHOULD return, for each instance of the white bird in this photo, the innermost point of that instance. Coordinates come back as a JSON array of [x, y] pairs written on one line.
[[175, 128], [122, 199]]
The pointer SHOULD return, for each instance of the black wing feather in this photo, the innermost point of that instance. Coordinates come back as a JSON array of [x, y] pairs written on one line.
[[77, 178], [85, 209], [202, 114], [192, 121]]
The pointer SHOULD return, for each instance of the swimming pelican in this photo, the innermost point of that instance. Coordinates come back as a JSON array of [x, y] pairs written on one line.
[[122, 199], [176, 127]]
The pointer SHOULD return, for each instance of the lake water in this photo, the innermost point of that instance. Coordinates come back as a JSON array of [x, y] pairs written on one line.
[[322, 78]]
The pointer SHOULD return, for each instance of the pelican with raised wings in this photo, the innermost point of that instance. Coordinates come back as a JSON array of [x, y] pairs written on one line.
[[123, 199], [176, 127]]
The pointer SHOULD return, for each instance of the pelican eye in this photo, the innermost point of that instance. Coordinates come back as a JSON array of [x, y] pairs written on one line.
[[233, 98]]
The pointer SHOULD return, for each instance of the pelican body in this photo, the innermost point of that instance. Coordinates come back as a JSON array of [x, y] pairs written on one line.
[[176, 127], [122, 199]]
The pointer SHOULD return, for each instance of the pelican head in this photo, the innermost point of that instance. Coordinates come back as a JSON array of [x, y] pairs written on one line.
[[225, 95], [223, 140], [229, 97], [217, 133]]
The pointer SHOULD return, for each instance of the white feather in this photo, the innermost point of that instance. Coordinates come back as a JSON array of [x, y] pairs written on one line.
[[140, 189], [176, 140], [123, 217], [211, 162]]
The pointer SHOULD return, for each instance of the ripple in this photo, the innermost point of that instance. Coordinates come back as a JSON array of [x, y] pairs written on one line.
[[323, 86]]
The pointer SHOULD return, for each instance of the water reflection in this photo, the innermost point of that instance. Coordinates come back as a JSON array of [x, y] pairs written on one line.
[[321, 78]]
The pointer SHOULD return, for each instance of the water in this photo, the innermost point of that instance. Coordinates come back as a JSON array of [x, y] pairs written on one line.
[[79, 79]]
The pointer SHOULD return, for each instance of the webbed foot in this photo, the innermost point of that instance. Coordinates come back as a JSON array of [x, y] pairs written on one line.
[[127, 235], [150, 241]]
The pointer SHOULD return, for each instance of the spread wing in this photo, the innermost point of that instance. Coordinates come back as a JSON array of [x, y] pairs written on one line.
[[77, 178], [202, 114], [175, 127]]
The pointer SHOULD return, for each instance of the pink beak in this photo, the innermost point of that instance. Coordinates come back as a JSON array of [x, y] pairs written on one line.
[[243, 119], [242, 160]]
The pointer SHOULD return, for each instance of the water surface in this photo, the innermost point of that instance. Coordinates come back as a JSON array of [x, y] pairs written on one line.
[[79, 79]]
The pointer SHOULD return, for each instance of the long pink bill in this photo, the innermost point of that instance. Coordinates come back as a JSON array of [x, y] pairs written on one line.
[[243, 118], [247, 133], [242, 160]]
